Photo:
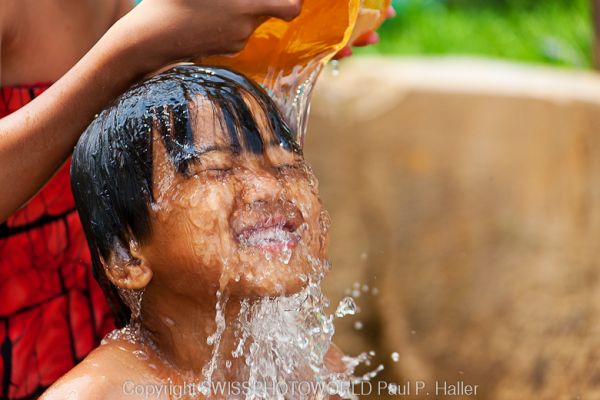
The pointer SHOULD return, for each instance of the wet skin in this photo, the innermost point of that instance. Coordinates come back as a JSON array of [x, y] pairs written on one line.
[[233, 221], [228, 225]]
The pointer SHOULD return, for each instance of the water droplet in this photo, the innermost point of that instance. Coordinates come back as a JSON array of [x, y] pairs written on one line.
[[358, 325], [141, 354], [395, 357], [285, 255], [335, 67], [346, 307], [205, 389]]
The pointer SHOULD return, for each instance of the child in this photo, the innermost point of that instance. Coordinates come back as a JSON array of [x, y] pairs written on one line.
[[195, 199]]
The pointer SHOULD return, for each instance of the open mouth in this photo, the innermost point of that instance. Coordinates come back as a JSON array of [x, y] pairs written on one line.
[[274, 239], [269, 227]]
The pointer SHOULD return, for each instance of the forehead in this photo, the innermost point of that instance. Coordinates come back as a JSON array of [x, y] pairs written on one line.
[[249, 134], [207, 128], [216, 126]]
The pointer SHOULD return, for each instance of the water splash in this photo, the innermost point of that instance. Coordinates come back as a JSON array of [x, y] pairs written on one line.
[[286, 339], [278, 341], [214, 340]]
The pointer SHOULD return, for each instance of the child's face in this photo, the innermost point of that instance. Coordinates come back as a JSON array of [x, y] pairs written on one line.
[[251, 222]]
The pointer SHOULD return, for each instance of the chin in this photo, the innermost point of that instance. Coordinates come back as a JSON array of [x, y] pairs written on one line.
[[270, 279]]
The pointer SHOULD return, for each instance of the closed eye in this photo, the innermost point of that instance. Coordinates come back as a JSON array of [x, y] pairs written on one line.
[[283, 168], [216, 172], [224, 169]]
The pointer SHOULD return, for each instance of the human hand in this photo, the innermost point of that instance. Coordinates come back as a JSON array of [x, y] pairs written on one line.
[[366, 39], [161, 32]]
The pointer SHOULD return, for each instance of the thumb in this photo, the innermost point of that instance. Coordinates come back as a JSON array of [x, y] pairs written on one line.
[[282, 9]]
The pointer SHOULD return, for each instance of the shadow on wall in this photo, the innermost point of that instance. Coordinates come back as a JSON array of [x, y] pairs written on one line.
[[468, 193]]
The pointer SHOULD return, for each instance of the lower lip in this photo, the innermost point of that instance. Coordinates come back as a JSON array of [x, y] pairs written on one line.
[[273, 240]]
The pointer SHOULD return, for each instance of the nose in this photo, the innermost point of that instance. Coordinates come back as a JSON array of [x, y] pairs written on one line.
[[260, 186]]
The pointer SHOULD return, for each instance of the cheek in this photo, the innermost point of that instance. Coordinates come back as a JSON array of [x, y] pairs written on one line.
[[299, 191], [307, 200], [208, 217], [193, 231]]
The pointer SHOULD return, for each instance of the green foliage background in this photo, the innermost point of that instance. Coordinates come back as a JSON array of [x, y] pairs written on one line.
[[555, 32]]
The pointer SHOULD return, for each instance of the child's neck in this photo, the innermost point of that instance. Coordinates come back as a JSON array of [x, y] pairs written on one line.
[[180, 330]]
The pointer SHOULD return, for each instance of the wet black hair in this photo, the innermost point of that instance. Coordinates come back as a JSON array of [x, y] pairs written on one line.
[[111, 168]]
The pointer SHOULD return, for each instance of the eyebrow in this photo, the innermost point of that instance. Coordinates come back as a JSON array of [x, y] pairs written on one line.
[[212, 148]]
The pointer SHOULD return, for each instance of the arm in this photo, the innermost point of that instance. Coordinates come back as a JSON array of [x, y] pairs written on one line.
[[123, 7], [35, 140]]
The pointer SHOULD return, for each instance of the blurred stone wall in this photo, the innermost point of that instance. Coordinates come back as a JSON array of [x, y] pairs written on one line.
[[468, 193]]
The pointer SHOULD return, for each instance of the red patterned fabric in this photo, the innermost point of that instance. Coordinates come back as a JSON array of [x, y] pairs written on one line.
[[52, 312]]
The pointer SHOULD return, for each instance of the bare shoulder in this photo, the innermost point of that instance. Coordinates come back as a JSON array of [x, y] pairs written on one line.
[[103, 374], [76, 386]]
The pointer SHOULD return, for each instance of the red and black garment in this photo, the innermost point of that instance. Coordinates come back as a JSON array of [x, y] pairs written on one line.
[[52, 311]]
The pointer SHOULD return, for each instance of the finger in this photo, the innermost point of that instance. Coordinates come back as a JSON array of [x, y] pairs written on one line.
[[366, 39], [391, 13], [343, 53], [282, 9]]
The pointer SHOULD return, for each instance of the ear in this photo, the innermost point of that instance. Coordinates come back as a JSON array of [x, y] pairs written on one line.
[[127, 268]]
